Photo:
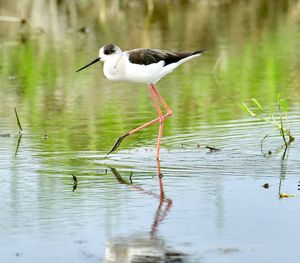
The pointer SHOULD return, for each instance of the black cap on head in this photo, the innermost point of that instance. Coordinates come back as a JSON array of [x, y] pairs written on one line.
[[109, 49]]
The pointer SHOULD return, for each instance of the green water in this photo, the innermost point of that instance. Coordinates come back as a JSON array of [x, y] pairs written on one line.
[[209, 206]]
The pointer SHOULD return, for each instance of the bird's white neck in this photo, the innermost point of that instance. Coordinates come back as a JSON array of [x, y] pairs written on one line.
[[110, 67]]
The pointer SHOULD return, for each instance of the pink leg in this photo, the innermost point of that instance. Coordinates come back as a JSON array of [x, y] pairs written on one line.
[[155, 97], [161, 125], [156, 103], [121, 138], [167, 108], [160, 131], [161, 120]]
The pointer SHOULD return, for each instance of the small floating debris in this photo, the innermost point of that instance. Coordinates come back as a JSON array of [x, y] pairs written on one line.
[[266, 185], [211, 149], [282, 195]]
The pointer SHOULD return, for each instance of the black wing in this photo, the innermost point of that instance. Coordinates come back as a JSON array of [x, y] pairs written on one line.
[[144, 56]]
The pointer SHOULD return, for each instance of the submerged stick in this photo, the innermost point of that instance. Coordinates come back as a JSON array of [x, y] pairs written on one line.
[[18, 120]]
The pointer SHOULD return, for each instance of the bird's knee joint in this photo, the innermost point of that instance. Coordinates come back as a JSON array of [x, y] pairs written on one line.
[[169, 113]]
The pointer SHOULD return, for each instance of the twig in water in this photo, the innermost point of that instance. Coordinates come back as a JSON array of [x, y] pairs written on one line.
[[18, 121], [75, 181], [130, 177]]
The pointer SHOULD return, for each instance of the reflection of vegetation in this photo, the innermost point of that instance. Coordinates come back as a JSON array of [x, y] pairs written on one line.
[[57, 17], [281, 178], [274, 120], [18, 144]]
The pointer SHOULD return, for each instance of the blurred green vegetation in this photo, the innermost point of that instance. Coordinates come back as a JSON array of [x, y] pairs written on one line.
[[253, 52]]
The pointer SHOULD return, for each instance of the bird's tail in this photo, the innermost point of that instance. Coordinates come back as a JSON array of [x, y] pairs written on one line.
[[198, 51]]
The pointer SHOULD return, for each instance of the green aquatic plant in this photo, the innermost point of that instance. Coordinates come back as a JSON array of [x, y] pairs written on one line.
[[278, 119]]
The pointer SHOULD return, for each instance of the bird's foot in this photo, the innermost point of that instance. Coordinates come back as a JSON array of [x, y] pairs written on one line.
[[118, 142]]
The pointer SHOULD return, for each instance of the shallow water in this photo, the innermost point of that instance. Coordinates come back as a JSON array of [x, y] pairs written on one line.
[[208, 206], [215, 208]]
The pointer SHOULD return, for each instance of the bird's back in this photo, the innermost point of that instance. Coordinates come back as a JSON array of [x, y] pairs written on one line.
[[147, 56]]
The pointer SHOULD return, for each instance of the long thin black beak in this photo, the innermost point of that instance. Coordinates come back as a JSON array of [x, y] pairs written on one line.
[[94, 61]]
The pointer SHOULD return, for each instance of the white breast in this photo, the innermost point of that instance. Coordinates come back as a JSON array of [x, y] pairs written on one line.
[[113, 68]]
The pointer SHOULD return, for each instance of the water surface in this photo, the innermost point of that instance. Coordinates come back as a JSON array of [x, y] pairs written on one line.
[[207, 206]]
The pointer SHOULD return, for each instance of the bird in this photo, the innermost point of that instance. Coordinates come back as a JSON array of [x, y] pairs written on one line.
[[142, 65]]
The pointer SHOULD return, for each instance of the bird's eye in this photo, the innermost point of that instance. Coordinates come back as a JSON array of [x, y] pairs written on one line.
[[106, 52]]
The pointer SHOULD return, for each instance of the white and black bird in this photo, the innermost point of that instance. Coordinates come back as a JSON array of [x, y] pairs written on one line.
[[142, 65]]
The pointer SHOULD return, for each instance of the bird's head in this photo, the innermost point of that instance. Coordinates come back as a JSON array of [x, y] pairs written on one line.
[[108, 51], [105, 53]]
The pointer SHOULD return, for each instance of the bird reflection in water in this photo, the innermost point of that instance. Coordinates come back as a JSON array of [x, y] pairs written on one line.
[[147, 248]]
